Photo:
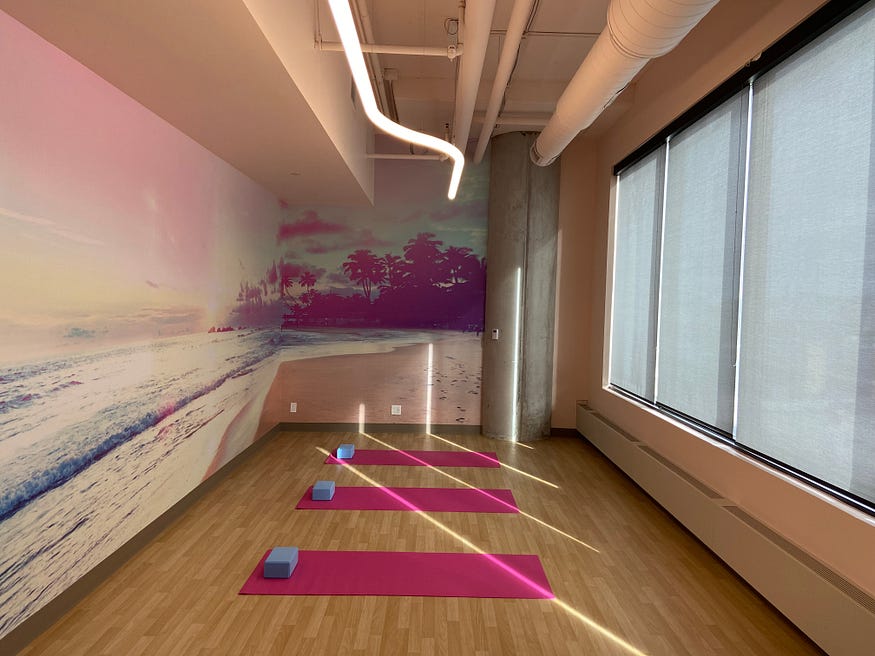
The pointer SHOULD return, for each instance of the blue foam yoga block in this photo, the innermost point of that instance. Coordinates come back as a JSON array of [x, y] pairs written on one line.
[[345, 451], [323, 491], [280, 562]]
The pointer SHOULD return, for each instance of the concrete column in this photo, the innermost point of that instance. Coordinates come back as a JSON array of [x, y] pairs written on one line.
[[520, 292]]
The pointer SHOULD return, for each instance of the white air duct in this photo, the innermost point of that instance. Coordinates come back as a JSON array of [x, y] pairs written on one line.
[[637, 31], [478, 23]]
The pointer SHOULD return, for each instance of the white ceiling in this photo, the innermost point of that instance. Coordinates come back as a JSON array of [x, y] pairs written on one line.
[[243, 79]]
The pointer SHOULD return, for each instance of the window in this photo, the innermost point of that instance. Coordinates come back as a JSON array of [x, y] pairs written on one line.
[[699, 279], [744, 265], [807, 366], [639, 202]]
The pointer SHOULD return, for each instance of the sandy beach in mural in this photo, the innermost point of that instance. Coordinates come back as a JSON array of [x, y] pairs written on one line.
[[333, 389]]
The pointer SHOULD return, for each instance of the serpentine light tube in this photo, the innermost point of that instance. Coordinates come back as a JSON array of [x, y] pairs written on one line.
[[352, 49]]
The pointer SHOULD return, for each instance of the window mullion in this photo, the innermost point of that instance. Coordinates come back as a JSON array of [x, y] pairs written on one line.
[[660, 228], [742, 248]]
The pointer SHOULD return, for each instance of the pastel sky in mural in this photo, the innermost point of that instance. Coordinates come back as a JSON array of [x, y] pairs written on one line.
[[83, 245]]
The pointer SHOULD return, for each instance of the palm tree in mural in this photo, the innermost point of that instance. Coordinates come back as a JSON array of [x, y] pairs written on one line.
[[272, 278], [394, 267], [461, 264], [283, 276], [424, 256], [307, 280], [250, 295], [366, 269], [286, 284]]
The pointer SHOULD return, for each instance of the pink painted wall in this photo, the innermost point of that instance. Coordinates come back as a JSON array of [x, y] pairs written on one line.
[[574, 298]]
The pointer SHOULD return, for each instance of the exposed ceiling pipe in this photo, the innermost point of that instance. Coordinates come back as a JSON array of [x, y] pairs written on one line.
[[450, 51], [389, 89], [390, 76], [372, 59], [404, 156], [519, 17], [478, 23], [637, 31]]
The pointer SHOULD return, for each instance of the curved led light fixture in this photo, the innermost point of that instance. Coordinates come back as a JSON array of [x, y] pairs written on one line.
[[352, 49]]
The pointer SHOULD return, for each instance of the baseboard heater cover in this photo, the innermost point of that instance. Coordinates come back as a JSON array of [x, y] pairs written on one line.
[[829, 609]]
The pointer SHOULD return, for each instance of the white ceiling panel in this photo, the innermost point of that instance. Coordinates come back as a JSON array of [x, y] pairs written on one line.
[[551, 58]]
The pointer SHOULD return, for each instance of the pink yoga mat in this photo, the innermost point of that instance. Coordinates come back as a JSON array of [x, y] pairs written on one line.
[[414, 498], [418, 458], [407, 574]]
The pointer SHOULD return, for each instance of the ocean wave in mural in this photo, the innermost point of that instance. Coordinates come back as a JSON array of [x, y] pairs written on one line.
[[60, 416], [94, 446], [107, 441]]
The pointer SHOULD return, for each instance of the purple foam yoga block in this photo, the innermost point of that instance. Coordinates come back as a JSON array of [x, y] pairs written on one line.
[[323, 491], [280, 562]]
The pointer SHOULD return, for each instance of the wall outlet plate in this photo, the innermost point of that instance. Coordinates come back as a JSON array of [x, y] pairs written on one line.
[[396, 410], [293, 407]]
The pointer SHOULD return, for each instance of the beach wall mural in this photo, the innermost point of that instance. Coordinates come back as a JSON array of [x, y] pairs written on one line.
[[414, 267], [161, 311]]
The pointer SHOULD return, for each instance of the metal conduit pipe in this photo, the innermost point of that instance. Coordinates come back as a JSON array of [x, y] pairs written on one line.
[[404, 156], [519, 16], [637, 31], [450, 52], [361, 8], [478, 23]]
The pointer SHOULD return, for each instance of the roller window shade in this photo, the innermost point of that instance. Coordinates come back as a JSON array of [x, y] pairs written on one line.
[[636, 267], [806, 387], [699, 277]]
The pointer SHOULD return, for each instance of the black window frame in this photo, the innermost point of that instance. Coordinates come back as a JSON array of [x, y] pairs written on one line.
[[819, 22]]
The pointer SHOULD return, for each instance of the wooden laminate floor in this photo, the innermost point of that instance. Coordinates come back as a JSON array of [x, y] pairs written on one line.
[[628, 579]]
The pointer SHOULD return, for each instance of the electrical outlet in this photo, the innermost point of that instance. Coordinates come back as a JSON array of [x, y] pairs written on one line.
[[396, 409], [293, 407]]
